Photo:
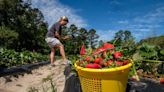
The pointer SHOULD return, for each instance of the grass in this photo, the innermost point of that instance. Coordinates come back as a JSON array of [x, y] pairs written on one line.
[[44, 87]]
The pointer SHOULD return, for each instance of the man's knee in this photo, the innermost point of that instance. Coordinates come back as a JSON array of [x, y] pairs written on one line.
[[61, 46], [53, 49]]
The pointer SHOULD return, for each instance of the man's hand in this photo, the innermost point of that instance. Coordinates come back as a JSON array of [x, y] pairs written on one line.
[[66, 37]]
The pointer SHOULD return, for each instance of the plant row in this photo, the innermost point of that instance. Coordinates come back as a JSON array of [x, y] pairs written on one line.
[[10, 58]]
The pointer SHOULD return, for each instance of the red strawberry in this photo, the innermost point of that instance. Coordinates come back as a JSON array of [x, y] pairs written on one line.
[[105, 64], [125, 62], [161, 80], [103, 48], [97, 60], [82, 51], [111, 51], [117, 54], [88, 59], [99, 50], [108, 46], [90, 65], [109, 62], [119, 63]]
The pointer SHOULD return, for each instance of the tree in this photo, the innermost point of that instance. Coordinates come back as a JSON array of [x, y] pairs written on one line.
[[83, 34], [79, 37], [7, 37], [92, 38], [124, 38], [28, 22], [72, 46]]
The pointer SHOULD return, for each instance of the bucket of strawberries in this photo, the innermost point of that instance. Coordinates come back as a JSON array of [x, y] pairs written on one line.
[[104, 69]]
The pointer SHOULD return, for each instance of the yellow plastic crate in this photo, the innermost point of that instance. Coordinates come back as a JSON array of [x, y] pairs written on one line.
[[104, 80]]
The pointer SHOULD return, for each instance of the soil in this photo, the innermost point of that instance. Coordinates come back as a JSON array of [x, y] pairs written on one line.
[[37, 81]]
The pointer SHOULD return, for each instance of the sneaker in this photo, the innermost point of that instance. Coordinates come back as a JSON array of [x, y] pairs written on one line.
[[66, 62]]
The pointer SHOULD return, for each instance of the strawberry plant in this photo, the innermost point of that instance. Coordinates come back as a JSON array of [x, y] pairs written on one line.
[[148, 60], [9, 58]]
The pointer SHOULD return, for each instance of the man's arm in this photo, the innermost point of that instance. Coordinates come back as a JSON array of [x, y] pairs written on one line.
[[66, 37], [59, 37]]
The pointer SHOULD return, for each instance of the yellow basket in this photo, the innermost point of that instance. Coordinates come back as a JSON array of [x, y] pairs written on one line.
[[103, 80]]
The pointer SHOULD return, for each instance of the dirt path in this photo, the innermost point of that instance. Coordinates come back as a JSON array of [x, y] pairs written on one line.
[[39, 80]]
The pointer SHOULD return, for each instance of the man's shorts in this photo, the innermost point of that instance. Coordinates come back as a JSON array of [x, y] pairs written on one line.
[[52, 42]]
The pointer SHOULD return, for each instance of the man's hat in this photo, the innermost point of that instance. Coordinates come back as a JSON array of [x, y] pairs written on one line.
[[64, 18]]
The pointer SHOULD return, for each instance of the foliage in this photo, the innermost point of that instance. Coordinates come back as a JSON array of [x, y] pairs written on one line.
[[53, 86], [10, 58], [92, 38], [148, 51], [79, 36], [44, 87], [157, 41], [27, 22], [24, 27], [124, 39], [151, 55], [7, 37], [33, 89], [148, 58]]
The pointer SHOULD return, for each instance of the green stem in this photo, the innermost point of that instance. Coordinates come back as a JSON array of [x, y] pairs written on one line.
[[115, 41], [153, 61], [134, 69], [135, 72]]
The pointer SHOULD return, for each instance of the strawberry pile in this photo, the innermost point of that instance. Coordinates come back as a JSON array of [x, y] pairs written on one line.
[[106, 56]]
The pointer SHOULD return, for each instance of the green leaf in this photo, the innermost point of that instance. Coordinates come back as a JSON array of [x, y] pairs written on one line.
[[162, 51]]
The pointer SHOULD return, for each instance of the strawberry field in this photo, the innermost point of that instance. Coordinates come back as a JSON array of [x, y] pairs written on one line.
[[23, 49]]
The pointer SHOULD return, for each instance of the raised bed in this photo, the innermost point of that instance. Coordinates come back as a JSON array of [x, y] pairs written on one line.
[[21, 69]]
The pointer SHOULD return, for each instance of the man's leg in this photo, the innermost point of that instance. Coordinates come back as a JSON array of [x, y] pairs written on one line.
[[52, 55], [62, 52]]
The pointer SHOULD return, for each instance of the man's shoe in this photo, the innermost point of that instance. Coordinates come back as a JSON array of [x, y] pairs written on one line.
[[66, 62]]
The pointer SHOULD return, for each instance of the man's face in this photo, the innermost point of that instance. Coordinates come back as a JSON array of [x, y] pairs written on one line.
[[64, 22]]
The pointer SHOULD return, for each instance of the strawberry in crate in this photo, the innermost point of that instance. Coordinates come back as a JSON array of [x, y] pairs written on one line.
[[106, 56]]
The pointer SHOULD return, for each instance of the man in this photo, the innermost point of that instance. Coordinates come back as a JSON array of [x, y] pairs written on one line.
[[53, 38]]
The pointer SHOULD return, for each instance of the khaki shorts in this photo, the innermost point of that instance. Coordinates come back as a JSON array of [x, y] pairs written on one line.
[[52, 42]]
